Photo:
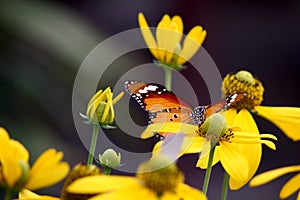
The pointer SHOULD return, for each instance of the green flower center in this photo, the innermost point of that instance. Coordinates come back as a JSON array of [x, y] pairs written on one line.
[[100, 111], [215, 129], [164, 179], [243, 81]]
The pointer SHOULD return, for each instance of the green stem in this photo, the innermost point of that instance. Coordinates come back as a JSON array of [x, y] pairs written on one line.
[[7, 194], [168, 77], [93, 145], [225, 186], [107, 170], [208, 170]]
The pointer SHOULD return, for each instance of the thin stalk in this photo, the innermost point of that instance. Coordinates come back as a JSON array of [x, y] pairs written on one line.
[[93, 145], [168, 78], [107, 170], [7, 194], [225, 186], [208, 170]]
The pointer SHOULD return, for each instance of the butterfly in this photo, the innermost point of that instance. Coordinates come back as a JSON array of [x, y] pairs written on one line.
[[164, 106]]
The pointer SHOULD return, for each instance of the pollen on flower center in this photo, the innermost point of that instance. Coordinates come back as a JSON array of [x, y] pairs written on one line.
[[215, 129], [164, 179], [243, 81]]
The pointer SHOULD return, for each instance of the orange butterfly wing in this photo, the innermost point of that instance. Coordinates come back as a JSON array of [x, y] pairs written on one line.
[[161, 104]]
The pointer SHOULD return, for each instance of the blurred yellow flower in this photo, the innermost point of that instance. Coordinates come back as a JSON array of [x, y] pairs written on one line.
[[291, 187], [151, 183], [166, 47], [286, 118], [16, 174], [79, 171], [235, 148], [100, 108], [28, 195]]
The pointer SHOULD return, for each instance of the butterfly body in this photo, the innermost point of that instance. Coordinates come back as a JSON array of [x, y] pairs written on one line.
[[165, 106]]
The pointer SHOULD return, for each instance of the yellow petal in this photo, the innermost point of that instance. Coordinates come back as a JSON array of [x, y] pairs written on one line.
[[252, 152], [162, 34], [10, 161], [290, 187], [234, 162], [245, 121], [272, 174], [191, 44], [126, 194], [4, 141], [92, 101], [230, 116], [192, 145], [185, 192], [179, 24], [28, 195], [286, 118], [147, 35], [47, 170], [100, 183], [169, 127], [117, 98], [203, 161]]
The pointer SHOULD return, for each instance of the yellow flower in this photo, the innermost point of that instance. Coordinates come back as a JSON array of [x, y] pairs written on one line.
[[16, 173], [154, 181], [79, 171], [286, 118], [236, 149], [100, 108], [166, 47], [292, 186]]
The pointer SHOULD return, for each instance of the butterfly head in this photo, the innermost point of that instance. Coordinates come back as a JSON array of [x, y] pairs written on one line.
[[198, 115]]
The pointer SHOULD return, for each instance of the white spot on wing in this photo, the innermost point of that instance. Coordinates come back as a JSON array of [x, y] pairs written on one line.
[[151, 87]]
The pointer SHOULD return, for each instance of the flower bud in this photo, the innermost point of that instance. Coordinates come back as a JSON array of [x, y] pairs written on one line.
[[110, 159]]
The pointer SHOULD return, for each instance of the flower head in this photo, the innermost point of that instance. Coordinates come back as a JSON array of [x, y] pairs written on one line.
[[109, 160], [165, 182], [100, 108], [79, 171], [16, 174], [292, 186], [166, 47], [286, 118], [235, 148]]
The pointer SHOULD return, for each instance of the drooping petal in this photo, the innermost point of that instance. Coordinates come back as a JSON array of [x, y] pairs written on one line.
[[147, 35], [168, 127], [235, 163], [203, 161], [290, 187], [286, 118], [192, 43], [100, 183], [188, 146], [252, 152], [28, 195], [192, 144], [272, 174], [230, 115], [47, 170], [250, 138]]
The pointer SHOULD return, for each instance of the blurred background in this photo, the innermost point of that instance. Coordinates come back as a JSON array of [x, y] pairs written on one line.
[[43, 43]]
